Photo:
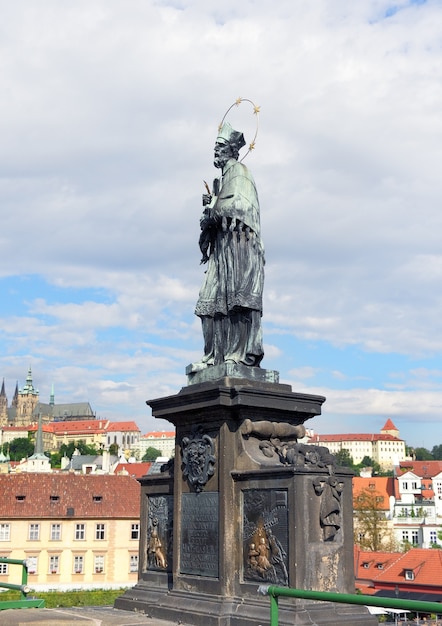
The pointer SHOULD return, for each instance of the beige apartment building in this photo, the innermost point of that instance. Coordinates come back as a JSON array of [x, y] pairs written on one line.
[[76, 531]]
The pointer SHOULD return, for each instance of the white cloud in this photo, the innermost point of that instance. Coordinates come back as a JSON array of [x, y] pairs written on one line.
[[107, 122]]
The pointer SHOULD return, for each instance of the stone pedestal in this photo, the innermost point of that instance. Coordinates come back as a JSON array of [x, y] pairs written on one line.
[[243, 504]]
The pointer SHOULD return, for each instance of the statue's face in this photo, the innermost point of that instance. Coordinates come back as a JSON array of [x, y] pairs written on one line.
[[223, 152]]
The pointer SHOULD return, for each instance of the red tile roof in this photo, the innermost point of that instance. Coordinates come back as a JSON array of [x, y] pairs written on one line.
[[122, 426], [80, 426], [353, 437], [57, 495], [133, 469], [423, 469], [389, 425], [382, 486], [388, 568], [170, 434]]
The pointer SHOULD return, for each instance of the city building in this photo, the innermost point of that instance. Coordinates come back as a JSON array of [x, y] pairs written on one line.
[[412, 575], [99, 433], [26, 406], [385, 448], [162, 440], [76, 531], [417, 515]]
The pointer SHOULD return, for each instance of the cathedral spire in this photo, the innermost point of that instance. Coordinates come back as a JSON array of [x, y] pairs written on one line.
[[52, 398], [2, 392]]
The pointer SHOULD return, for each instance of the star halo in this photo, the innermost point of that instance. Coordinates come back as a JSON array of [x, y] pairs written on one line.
[[256, 110]]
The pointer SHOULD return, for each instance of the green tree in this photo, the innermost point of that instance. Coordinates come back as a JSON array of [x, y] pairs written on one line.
[[371, 527], [344, 458], [20, 448], [422, 454], [437, 452], [151, 454], [113, 449], [83, 448]]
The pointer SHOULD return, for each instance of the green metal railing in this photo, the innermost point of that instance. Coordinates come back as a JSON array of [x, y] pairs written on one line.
[[24, 601], [344, 598]]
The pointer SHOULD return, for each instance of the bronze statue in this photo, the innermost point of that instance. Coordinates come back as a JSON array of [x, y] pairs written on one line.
[[230, 299]]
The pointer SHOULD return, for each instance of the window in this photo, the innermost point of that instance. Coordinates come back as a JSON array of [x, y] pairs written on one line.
[[55, 532], [414, 485], [97, 498], [80, 532], [31, 562], [133, 564], [4, 569], [100, 531], [414, 537], [433, 536], [98, 564], [405, 486], [34, 532], [54, 564], [409, 574], [135, 531], [78, 564], [405, 536], [5, 532]]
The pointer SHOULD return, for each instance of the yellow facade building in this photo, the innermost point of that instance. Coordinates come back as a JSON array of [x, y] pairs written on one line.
[[76, 531]]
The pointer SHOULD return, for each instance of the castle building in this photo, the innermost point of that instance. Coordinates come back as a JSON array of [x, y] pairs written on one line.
[[26, 406], [386, 448]]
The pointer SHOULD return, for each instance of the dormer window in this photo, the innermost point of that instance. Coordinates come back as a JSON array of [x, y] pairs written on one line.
[[20, 498], [97, 498], [409, 574], [380, 566], [366, 565]]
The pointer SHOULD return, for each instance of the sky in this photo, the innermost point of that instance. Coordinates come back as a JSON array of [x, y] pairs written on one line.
[[108, 117]]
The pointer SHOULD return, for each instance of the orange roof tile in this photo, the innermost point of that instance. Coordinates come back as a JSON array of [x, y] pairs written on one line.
[[80, 426], [353, 437], [63, 496], [423, 469], [426, 565], [117, 426], [170, 434], [136, 470], [389, 425], [382, 486]]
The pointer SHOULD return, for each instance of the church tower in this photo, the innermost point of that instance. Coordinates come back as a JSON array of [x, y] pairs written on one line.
[[3, 406], [27, 400]]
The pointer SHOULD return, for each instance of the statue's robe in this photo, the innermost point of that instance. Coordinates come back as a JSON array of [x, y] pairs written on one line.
[[230, 300]]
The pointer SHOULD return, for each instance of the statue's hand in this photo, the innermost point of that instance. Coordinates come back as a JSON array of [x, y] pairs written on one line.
[[207, 199]]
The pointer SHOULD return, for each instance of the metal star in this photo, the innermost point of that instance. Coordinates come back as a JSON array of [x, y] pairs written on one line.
[[238, 101], [256, 109], [252, 146]]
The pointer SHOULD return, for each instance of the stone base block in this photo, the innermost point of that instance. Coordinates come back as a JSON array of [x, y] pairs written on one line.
[[198, 609], [201, 374]]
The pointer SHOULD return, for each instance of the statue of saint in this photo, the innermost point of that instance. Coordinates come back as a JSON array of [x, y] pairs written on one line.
[[230, 299]]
